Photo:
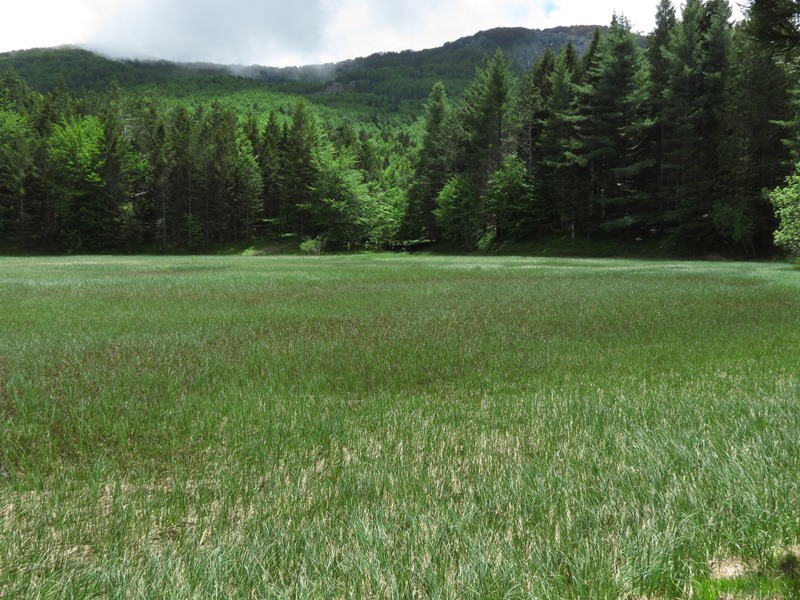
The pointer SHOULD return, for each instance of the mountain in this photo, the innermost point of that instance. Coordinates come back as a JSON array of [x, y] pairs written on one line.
[[384, 80], [410, 75], [522, 46]]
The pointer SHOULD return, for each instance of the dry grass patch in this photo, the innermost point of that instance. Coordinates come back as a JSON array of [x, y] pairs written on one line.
[[728, 568]]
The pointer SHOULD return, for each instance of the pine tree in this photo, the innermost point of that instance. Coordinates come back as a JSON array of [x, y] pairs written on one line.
[[367, 160], [21, 160], [17, 168], [161, 164], [588, 63], [693, 139], [562, 173], [433, 165], [183, 148], [752, 156], [137, 167], [220, 159], [610, 134], [658, 62], [299, 173], [774, 23], [485, 117], [531, 109], [247, 189], [271, 163]]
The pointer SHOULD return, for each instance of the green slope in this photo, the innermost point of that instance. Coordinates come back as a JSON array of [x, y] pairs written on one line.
[[383, 82]]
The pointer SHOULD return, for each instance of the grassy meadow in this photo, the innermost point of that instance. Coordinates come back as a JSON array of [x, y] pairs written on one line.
[[398, 426]]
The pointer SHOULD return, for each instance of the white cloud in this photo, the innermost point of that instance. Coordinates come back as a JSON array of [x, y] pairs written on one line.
[[43, 23], [280, 32]]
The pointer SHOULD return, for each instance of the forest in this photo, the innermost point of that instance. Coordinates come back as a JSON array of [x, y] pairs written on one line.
[[678, 140]]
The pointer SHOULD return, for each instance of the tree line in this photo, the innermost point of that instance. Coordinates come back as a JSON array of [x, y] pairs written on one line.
[[675, 139], [118, 172]]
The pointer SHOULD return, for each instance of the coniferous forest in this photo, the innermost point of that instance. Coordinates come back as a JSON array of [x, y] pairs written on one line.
[[674, 139]]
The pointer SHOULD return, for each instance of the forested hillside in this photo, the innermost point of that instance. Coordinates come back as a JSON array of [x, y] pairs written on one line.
[[671, 141], [383, 82]]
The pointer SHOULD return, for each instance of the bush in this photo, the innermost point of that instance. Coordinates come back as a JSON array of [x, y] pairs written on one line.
[[313, 245], [786, 202]]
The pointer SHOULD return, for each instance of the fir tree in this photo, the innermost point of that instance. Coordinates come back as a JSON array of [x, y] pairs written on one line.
[[432, 169]]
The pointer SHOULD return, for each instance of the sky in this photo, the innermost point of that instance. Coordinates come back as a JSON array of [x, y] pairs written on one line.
[[288, 32]]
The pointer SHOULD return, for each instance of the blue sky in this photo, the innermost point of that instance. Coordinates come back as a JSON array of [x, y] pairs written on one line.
[[281, 33]]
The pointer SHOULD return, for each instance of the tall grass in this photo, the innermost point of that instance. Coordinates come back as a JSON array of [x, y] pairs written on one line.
[[390, 426]]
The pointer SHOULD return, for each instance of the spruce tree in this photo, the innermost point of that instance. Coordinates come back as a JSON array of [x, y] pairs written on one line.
[[271, 161], [183, 148], [693, 138], [220, 162], [299, 172], [433, 165], [485, 116], [610, 133], [17, 164], [753, 156], [658, 68], [247, 189], [562, 173], [774, 23], [531, 109]]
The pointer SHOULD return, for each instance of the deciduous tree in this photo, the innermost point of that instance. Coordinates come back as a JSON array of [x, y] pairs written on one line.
[[786, 201], [86, 217], [17, 168]]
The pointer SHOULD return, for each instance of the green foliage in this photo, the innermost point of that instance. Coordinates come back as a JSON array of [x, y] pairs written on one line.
[[313, 245], [700, 71], [17, 169], [774, 24], [562, 170], [386, 214], [88, 218], [485, 118], [532, 109], [299, 169], [339, 200], [610, 132], [511, 199], [671, 140], [753, 156], [248, 186], [458, 210], [786, 202], [433, 165]]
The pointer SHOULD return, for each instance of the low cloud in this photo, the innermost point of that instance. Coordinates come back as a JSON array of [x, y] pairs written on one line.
[[234, 32], [293, 32]]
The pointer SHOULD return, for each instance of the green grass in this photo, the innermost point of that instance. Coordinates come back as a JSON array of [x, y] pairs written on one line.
[[395, 426]]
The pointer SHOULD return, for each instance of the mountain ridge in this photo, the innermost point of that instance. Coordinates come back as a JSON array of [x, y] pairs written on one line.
[[383, 81], [521, 45], [516, 42]]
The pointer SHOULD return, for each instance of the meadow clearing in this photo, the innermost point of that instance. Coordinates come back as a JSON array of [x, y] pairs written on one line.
[[398, 426]]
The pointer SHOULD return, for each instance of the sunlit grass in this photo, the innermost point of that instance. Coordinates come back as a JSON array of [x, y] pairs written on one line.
[[395, 426]]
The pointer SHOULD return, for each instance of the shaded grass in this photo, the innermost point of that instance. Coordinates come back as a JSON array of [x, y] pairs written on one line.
[[393, 426]]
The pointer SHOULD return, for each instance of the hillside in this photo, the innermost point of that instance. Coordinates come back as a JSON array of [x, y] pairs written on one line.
[[386, 80]]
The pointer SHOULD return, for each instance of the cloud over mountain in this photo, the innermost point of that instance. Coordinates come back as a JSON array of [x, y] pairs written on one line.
[[280, 32]]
